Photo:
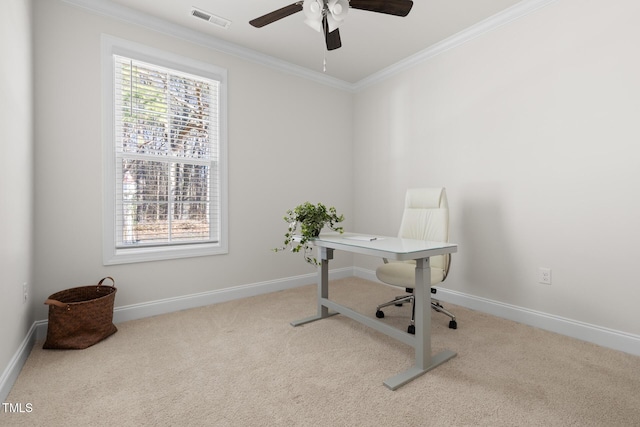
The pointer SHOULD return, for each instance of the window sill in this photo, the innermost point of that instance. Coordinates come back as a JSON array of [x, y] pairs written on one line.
[[113, 256]]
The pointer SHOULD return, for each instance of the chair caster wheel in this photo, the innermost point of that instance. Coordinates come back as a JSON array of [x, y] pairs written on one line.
[[453, 324], [380, 314], [411, 329]]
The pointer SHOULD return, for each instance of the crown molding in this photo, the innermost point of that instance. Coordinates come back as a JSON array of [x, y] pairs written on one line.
[[508, 15], [122, 13], [130, 16]]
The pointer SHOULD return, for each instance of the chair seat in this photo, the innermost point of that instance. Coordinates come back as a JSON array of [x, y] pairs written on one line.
[[403, 274]]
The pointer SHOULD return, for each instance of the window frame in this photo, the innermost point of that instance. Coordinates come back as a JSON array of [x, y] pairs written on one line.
[[111, 253]]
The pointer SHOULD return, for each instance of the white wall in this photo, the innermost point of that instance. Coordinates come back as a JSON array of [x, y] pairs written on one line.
[[533, 129], [277, 153], [16, 174]]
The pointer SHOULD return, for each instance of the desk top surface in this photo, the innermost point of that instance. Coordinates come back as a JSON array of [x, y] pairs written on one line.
[[392, 248]]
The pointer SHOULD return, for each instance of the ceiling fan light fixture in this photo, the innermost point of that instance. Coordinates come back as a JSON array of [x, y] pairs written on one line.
[[313, 10], [338, 8], [336, 12], [316, 25]]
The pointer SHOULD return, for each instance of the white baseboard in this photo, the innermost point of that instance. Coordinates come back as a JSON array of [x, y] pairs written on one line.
[[599, 335], [16, 363], [169, 305], [610, 338]]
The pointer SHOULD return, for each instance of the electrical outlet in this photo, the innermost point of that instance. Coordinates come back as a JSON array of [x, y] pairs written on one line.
[[25, 293], [544, 275]]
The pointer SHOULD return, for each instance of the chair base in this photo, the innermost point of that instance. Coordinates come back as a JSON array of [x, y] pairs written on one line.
[[400, 300]]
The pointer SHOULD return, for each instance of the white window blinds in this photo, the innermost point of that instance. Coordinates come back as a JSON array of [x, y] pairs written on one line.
[[166, 129]]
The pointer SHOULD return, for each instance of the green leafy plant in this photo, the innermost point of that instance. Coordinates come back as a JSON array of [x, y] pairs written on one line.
[[310, 219]]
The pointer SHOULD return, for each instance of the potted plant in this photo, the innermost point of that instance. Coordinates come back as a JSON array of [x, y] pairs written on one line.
[[305, 223]]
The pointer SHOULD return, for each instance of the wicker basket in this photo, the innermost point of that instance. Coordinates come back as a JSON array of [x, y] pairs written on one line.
[[80, 317]]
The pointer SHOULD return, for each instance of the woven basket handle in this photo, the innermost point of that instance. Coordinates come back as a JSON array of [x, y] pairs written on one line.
[[63, 305], [113, 282], [55, 302]]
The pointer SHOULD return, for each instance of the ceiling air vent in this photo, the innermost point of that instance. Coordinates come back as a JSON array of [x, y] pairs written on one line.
[[210, 17]]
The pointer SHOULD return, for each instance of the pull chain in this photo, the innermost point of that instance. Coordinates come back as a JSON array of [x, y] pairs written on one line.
[[324, 57]]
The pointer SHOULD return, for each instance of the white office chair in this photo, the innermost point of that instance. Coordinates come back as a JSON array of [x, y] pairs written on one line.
[[425, 217]]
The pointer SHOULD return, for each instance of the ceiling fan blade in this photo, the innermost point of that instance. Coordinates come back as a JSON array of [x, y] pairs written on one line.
[[332, 38], [390, 7], [276, 15]]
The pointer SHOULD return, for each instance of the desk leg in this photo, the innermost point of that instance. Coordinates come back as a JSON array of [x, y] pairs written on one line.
[[325, 254], [424, 361]]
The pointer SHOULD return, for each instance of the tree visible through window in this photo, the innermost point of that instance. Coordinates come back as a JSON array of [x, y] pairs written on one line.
[[166, 135], [165, 188]]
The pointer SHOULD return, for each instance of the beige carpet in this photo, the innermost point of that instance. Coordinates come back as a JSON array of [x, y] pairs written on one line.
[[242, 364]]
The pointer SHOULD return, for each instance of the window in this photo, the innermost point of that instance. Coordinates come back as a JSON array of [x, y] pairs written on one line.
[[165, 155]]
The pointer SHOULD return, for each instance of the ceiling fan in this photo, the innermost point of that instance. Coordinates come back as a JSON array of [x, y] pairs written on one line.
[[327, 15]]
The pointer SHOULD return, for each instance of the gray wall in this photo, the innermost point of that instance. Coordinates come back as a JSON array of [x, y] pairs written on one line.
[[16, 175], [533, 129]]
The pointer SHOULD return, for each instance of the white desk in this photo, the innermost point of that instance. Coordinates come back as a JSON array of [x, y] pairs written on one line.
[[394, 249]]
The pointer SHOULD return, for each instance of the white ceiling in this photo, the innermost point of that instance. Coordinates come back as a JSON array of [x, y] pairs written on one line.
[[370, 41]]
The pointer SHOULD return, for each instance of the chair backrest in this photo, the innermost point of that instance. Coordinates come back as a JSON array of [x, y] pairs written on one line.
[[426, 217]]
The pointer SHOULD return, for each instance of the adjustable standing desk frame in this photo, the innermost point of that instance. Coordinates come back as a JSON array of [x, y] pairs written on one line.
[[394, 249]]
